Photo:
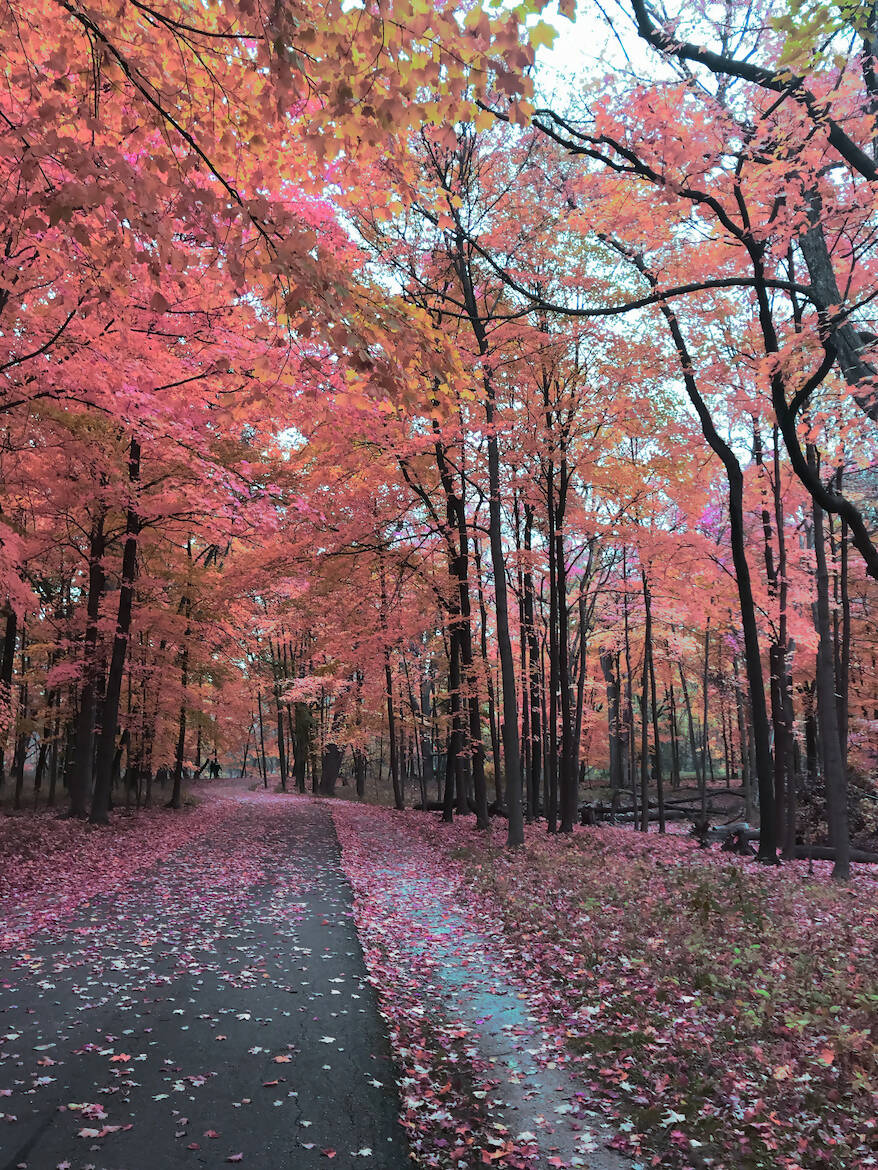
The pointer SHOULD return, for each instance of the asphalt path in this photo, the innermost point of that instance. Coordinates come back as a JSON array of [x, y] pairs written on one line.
[[214, 1012]]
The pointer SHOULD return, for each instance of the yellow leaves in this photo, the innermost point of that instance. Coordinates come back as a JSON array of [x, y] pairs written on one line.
[[483, 120], [542, 34]]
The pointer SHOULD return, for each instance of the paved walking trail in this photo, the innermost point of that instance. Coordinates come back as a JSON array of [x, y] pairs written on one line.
[[218, 1007], [218, 1010]]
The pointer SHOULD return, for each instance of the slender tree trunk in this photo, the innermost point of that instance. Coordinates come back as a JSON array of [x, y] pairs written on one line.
[[569, 772], [648, 650], [690, 724], [55, 752], [644, 744], [844, 651], [704, 733], [629, 699], [7, 666], [492, 704], [511, 751], [834, 772], [607, 661], [507, 660], [554, 680], [80, 779], [529, 635], [23, 739], [100, 804], [675, 740], [261, 738], [391, 733], [737, 536], [176, 800], [243, 772]]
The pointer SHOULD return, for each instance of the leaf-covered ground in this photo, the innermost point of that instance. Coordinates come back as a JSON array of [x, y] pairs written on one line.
[[52, 865], [717, 1014], [722, 1014], [482, 1081], [213, 1010]]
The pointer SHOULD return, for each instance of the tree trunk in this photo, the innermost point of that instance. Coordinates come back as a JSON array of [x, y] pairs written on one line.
[[675, 740], [533, 697], [492, 703], [704, 736], [100, 804], [6, 670], [606, 660], [648, 650], [568, 772], [83, 754], [261, 738], [834, 772]]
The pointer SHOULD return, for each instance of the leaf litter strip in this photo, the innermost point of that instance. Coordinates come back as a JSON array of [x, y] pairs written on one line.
[[423, 953]]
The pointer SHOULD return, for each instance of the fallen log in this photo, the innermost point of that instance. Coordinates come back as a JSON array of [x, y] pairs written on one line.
[[686, 801], [671, 814], [827, 853], [801, 852]]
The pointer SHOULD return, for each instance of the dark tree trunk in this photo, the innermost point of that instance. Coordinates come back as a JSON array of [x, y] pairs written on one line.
[[675, 740], [607, 662], [644, 746], [534, 678], [7, 667], [657, 745], [705, 683], [23, 739], [176, 800], [302, 726], [511, 752], [83, 754], [554, 681], [629, 684], [330, 766], [834, 772], [693, 750], [262, 739], [391, 733], [492, 703], [100, 804], [568, 773]]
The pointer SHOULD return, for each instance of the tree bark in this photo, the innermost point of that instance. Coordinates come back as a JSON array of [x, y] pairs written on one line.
[[100, 804], [834, 772], [83, 754]]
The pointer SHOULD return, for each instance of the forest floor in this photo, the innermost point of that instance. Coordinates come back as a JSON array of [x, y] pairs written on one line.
[[202, 987], [719, 1013]]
